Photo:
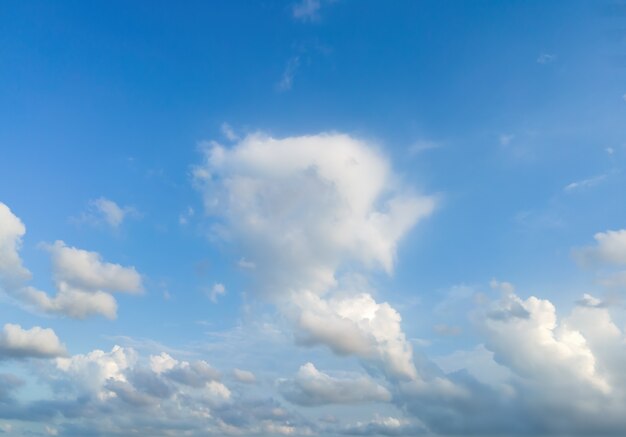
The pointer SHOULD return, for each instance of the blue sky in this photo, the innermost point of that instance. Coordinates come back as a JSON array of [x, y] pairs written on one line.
[[312, 217]]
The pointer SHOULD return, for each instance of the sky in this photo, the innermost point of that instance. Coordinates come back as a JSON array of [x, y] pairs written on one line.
[[312, 218]]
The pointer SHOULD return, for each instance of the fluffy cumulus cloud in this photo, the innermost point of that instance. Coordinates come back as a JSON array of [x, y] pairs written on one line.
[[12, 272], [312, 387], [87, 271], [525, 336], [610, 248], [535, 374], [355, 325], [36, 342], [83, 281], [305, 208]]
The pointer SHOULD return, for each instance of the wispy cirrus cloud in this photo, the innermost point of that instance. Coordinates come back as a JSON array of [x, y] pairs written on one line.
[[584, 184], [546, 58], [306, 10], [286, 81]]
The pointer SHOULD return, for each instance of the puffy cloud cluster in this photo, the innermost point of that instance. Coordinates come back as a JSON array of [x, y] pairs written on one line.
[[534, 374], [304, 209], [83, 281]]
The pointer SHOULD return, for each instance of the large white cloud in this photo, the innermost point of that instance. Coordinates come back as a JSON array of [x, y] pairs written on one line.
[[36, 342], [304, 209], [526, 337]]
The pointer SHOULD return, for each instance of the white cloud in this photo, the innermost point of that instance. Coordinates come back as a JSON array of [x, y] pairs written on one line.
[[87, 271], [162, 363], [71, 302], [310, 202], [121, 376], [535, 373], [36, 342], [216, 291], [306, 10], [103, 210], [591, 302], [84, 282], [244, 376], [524, 336], [311, 387], [610, 248], [82, 393], [302, 208], [12, 272]]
